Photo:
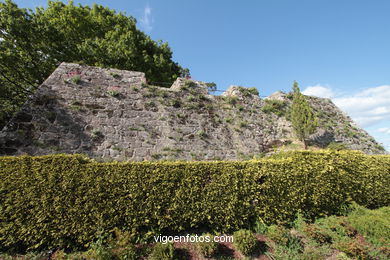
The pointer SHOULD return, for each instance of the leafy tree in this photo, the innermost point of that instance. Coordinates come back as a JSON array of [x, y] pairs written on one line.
[[303, 119], [32, 44], [211, 86]]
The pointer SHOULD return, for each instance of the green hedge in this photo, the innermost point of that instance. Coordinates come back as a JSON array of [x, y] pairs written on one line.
[[66, 200]]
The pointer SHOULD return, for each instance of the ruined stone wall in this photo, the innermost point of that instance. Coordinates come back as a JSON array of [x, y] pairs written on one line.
[[113, 114]]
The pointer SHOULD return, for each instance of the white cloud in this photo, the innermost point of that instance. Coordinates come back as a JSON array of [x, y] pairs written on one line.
[[370, 108], [367, 107], [147, 20], [319, 91], [385, 130]]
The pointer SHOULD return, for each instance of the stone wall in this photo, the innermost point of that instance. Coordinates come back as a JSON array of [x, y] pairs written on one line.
[[113, 114]]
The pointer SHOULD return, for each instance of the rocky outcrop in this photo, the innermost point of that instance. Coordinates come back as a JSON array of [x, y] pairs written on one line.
[[113, 114]]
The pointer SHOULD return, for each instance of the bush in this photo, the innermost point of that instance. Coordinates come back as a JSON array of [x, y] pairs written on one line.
[[337, 146], [247, 92], [232, 100], [373, 224], [65, 200], [245, 241], [277, 107], [207, 249], [76, 79], [279, 234], [113, 93], [99, 251], [163, 251]]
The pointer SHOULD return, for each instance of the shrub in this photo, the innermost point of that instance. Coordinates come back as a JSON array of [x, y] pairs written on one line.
[[76, 79], [318, 234], [232, 100], [113, 93], [229, 120], [207, 248], [176, 103], [98, 251], [337, 146], [277, 107], [96, 134], [63, 200], [211, 86], [163, 251], [279, 234], [243, 124], [201, 133], [373, 224], [115, 75], [245, 241], [354, 248], [247, 92]]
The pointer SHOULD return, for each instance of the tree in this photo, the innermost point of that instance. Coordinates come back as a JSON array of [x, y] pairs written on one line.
[[303, 120], [33, 44]]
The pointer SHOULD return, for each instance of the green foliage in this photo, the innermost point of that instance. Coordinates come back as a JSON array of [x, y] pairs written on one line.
[[361, 234], [279, 234], [176, 103], [337, 146], [303, 120], [76, 79], [163, 251], [232, 100], [211, 86], [201, 133], [34, 42], [243, 124], [379, 147], [66, 200], [247, 92], [99, 251], [188, 84], [207, 248], [260, 227], [245, 241], [96, 134], [373, 224], [277, 107], [115, 75], [113, 93], [228, 120]]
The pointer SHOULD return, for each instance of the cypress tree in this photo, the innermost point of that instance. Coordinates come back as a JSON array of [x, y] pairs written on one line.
[[303, 119]]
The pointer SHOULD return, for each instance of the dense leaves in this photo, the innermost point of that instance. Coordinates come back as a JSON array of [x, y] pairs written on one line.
[[303, 119], [32, 44], [67, 200]]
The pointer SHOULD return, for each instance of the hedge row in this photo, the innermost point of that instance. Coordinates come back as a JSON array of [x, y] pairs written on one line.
[[66, 200]]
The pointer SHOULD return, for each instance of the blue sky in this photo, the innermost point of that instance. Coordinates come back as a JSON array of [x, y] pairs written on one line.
[[334, 48]]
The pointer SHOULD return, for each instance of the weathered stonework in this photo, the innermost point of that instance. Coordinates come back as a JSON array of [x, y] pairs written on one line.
[[113, 114]]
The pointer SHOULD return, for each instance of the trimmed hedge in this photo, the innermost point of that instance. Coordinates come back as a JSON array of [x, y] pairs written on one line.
[[66, 200]]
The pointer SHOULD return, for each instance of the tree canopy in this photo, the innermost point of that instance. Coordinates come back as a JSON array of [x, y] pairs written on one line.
[[33, 43], [303, 119]]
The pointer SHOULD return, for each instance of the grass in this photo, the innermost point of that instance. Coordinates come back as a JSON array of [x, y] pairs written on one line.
[[113, 93], [115, 75], [76, 79], [360, 234], [247, 92], [201, 134], [277, 107]]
